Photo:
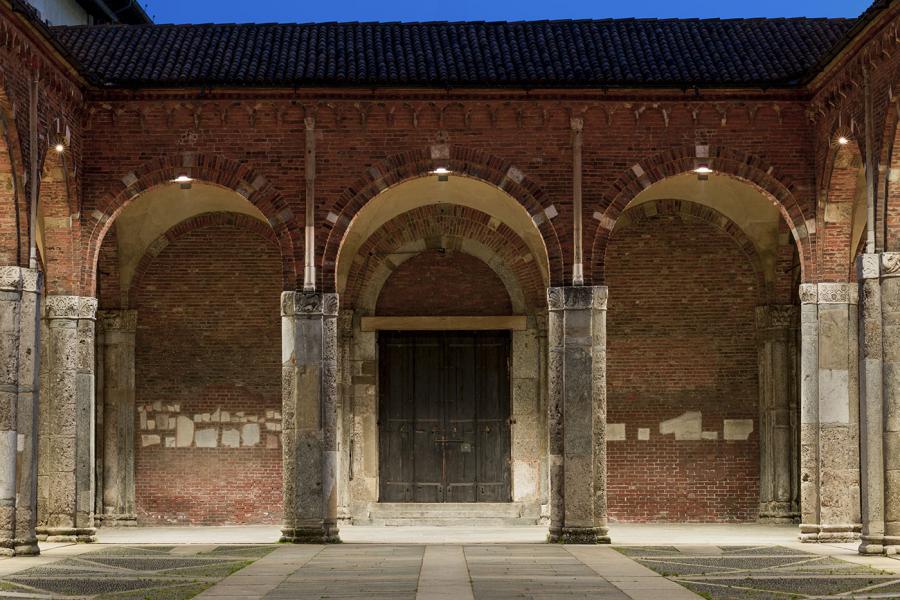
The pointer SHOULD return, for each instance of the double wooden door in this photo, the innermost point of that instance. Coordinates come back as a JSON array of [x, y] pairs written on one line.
[[444, 416]]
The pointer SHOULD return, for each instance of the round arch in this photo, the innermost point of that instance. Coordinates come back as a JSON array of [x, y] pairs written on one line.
[[504, 178], [58, 231], [745, 168], [841, 211], [13, 232], [203, 169], [887, 219]]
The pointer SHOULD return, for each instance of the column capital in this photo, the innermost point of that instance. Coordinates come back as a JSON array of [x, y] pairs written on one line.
[[19, 279], [868, 266], [777, 316], [809, 293], [890, 264], [836, 293], [577, 297], [70, 307], [309, 304], [117, 320]]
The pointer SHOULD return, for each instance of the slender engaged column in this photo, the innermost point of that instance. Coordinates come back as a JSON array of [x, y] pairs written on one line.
[[20, 343], [890, 315], [577, 414], [809, 412], [66, 466], [871, 411], [309, 400], [776, 329], [117, 328]]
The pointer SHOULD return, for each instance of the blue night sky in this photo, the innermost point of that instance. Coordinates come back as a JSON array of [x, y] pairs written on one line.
[[300, 11]]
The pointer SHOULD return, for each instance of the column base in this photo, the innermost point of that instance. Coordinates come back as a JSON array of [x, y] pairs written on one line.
[[326, 534], [873, 544], [578, 535], [12, 547], [83, 535], [891, 544], [111, 520], [814, 534], [777, 512]]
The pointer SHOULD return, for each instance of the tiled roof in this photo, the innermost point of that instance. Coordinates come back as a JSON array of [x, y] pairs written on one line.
[[624, 52]]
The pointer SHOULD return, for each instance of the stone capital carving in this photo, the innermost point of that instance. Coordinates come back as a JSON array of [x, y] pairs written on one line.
[[577, 298], [70, 307], [809, 293], [834, 293], [117, 320], [18, 279], [777, 316], [868, 266], [890, 264], [309, 304]]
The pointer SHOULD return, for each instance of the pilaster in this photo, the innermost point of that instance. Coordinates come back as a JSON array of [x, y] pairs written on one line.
[[66, 466], [577, 414], [309, 401], [779, 488], [116, 344], [890, 339], [20, 291]]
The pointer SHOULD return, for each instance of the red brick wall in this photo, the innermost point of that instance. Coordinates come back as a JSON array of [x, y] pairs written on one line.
[[208, 339], [681, 338], [436, 284]]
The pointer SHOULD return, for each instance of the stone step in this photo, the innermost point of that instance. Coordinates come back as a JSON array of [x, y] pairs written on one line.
[[450, 514]]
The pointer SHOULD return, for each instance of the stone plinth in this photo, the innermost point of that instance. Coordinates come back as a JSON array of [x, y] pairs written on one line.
[[577, 414], [66, 465], [309, 401], [116, 333], [20, 345]]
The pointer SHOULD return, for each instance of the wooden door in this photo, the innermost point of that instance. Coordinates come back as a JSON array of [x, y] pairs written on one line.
[[444, 416]]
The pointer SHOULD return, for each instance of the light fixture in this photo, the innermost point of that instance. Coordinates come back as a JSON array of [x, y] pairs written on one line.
[[60, 147], [443, 173], [703, 170], [182, 179], [843, 140]]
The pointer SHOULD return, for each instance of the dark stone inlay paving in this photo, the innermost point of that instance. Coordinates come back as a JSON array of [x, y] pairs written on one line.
[[150, 573]]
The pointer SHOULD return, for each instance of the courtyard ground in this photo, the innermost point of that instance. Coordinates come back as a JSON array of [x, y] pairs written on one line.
[[657, 562]]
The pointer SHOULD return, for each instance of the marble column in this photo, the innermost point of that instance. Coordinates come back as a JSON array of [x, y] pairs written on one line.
[[577, 414], [309, 401], [776, 330], [871, 409], [66, 465], [890, 315], [116, 333], [20, 345], [829, 438]]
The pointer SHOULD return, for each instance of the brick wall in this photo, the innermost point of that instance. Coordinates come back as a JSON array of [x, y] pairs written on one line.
[[681, 339], [208, 342], [436, 284]]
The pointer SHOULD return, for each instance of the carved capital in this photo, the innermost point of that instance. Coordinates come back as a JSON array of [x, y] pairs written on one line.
[[18, 279], [809, 293], [834, 293], [777, 316], [309, 304], [577, 298], [868, 266], [117, 320], [890, 264], [70, 307]]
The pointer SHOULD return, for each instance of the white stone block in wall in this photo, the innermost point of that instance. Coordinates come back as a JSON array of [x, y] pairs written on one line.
[[149, 440], [685, 427], [143, 417], [231, 438], [206, 438], [250, 434], [738, 429], [643, 434], [225, 416], [710, 435], [615, 432], [170, 442], [184, 432]]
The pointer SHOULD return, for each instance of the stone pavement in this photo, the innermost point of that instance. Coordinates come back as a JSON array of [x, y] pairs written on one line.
[[504, 571]]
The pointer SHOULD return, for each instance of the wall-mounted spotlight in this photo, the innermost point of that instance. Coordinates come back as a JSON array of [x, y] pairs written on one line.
[[443, 173], [184, 181], [703, 172]]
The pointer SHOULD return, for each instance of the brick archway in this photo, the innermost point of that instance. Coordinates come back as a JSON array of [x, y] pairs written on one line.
[[745, 168], [836, 250], [57, 203], [210, 169], [694, 211], [420, 162], [212, 219], [887, 218], [455, 224], [13, 205]]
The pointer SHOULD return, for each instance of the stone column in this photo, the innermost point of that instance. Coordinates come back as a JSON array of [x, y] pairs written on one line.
[[776, 329], [577, 414], [831, 513], [871, 411], [20, 345], [117, 331], [309, 401], [890, 315], [809, 412], [66, 466]]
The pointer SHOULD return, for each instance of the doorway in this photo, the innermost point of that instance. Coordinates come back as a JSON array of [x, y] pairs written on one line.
[[444, 416]]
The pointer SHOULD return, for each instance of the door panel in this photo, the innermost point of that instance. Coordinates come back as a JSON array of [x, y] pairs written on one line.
[[444, 416]]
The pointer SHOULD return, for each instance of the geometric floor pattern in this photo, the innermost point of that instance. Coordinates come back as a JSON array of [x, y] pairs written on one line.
[[764, 572], [132, 573]]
